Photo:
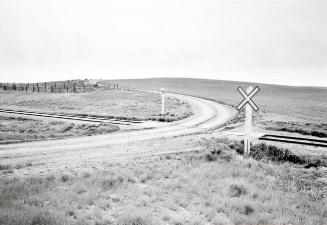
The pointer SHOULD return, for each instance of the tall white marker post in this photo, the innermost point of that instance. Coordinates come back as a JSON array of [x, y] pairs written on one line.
[[162, 101], [247, 126], [249, 105]]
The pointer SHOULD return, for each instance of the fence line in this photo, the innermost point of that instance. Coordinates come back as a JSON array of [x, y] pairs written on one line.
[[57, 87]]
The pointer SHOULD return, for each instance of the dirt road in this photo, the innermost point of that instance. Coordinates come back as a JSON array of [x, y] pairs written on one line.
[[75, 152]]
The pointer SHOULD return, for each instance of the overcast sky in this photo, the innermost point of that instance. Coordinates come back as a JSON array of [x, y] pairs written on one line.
[[272, 41]]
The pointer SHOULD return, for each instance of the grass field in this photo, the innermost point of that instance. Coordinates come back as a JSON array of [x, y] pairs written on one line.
[[18, 129], [278, 184], [174, 189], [116, 103], [280, 106]]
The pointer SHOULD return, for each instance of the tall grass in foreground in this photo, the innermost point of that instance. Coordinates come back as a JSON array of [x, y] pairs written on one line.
[[212, 187]]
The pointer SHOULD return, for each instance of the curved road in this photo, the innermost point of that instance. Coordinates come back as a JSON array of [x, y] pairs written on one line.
[[207, 115]]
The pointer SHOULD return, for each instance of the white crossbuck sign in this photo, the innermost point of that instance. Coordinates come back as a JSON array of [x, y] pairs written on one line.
[[249, 104], [248, 98]]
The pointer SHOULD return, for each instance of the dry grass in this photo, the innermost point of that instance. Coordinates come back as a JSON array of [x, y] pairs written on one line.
[[317, 130], [18, 129], [172, 189], [113, 103], [278, 154]]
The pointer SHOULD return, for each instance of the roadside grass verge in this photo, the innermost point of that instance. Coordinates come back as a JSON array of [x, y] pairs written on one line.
[[313, 129], [216, 186], [267, 152], [121, 104], [18, 129]]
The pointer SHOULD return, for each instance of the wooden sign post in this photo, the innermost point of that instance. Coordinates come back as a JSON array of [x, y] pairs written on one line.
[[162, 101], [249, 105]]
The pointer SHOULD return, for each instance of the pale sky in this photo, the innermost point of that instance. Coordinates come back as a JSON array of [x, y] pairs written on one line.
[[270, 41]]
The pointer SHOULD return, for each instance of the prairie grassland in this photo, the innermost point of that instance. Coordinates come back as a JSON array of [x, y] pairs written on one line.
[[313, 129], [18, 129], [115, 103], [282, 104], [214, 186]]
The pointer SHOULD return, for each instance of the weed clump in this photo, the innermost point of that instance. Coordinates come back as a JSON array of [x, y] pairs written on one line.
[[4, 167], [247, 210], [29, 216], [238, 146], [274, 153], [135, 219], [64, 178], [112, 183], [217, 150], [236, 190]]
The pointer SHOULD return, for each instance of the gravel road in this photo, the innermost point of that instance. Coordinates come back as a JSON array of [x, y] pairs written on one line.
[[55, 154]]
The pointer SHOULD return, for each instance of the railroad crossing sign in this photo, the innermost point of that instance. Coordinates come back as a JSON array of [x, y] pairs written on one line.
[[249, 105], [248, 97]]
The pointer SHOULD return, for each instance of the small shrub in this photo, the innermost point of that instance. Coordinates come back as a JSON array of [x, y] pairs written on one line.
[[274, 153], [236, 190], [64, 178], [247, 210], [4, 167], [86, 175], [134, 219], [70, 213], [67, 128], [81, 191], [212, 155], [238, 146], [314, 163], [112, 183], [318, 134], [217, 150]]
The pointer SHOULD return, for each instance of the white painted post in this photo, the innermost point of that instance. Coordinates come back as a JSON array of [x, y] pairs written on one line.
[[162, 101], [247, 126]]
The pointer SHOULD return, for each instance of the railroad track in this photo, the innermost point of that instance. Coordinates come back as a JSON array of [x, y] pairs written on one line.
[[295, 140], [86, 118]]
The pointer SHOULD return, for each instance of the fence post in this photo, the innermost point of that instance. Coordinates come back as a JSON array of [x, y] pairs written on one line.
[[67, 89], [45, 87]]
